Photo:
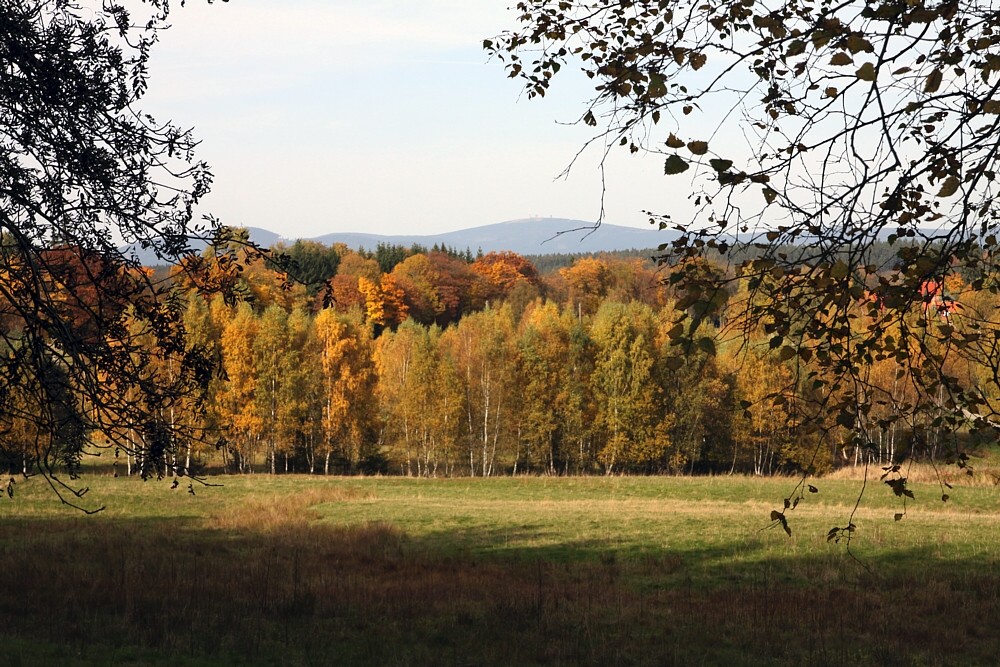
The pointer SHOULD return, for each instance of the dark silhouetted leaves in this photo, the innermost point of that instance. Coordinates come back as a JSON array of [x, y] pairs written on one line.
[[898, 486], [698, 147], [780, 519], [949, 187], [933, 82], [674, 142], [867, 72], [675, 164], [841, 59]]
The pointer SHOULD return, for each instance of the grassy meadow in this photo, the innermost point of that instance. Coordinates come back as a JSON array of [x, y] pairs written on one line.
[[505, 571]]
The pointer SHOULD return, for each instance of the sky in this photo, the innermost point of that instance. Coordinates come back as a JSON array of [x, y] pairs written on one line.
[[381, 116]]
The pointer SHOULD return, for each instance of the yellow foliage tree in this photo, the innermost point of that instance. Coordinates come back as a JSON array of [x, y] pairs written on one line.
[[348, 383], [236, 400], [384, 300], [588, 280]]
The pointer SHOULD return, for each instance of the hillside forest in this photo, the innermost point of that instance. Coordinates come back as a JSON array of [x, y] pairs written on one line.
[[435, 362]]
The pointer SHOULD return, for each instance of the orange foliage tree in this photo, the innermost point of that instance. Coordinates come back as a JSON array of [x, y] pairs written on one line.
[[384, 301], [502, 271], [588, 280]]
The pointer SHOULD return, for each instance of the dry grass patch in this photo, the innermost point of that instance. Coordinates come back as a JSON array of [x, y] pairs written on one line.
[[273, 510], [985, 475]]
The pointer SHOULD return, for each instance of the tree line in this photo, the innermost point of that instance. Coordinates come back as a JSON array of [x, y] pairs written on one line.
[[446, 366]]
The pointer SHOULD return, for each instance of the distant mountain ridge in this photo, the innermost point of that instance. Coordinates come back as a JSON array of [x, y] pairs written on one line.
[[529, 236]]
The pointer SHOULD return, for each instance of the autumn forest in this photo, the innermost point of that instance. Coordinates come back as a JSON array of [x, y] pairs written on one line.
[[435, 362]]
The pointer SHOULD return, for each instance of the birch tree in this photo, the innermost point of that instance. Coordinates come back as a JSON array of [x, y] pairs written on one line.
[[635, 431], [271, 361], [480, 349]]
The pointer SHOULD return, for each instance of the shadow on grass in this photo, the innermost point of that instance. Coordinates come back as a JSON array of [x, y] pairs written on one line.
[[185, 592]]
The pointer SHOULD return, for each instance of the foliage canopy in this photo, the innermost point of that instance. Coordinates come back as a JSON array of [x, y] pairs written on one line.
[[823, 125], [89, 342]]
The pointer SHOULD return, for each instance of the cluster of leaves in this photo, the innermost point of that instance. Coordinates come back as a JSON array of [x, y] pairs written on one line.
[[821, 127], [82, 171]]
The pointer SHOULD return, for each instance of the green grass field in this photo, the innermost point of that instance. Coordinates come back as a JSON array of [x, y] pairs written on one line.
[[524, 571]]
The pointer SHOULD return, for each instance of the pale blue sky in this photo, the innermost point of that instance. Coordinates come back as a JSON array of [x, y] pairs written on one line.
[[380, 116]]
